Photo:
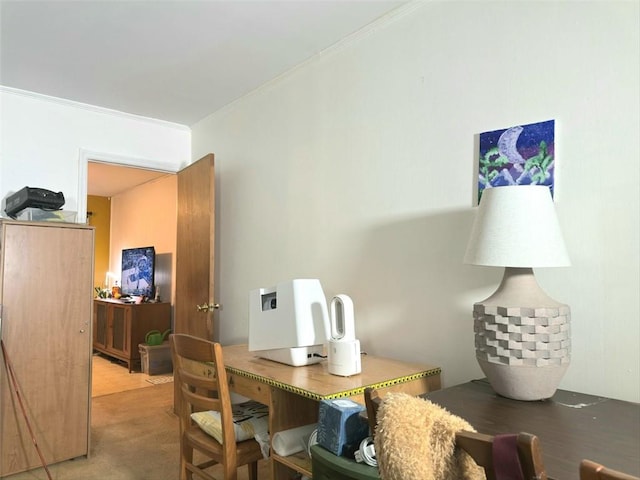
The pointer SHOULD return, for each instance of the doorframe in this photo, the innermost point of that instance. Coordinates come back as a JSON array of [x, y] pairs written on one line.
[[85, 156]]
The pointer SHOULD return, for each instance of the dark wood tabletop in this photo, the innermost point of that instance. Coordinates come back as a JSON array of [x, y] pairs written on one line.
[[571, 426]]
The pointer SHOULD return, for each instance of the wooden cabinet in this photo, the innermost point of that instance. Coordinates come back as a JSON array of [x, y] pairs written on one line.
[[46, 289], [118, 327]]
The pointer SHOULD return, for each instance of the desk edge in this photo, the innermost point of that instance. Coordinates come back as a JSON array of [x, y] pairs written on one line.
[[342, 394]]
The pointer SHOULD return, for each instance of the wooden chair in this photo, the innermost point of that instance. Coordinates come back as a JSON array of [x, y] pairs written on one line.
[[479, 446], [372, 402], [202, 393], [594, 471]]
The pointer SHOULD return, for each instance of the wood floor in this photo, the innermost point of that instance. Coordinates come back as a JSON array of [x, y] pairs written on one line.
[[112, 376]]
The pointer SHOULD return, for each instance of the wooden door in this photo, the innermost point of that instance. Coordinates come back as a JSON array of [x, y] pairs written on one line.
[[46, 295], [195, 250]]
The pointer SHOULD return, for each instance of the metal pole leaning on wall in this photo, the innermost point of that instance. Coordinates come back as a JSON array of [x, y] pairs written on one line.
[[14, 383]]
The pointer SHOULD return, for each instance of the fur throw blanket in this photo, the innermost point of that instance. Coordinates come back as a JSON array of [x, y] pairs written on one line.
[[415, 440]]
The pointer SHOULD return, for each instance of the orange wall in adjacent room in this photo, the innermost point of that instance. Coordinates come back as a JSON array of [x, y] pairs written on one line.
[[147, 216]]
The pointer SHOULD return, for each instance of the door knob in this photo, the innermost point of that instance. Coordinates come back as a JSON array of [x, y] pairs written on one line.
[[205, 307]]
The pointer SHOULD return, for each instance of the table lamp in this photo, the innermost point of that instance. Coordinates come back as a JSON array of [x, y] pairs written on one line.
[[522, 335]]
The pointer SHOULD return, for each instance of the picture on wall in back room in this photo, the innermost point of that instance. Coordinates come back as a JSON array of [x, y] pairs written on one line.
[[520, 155]]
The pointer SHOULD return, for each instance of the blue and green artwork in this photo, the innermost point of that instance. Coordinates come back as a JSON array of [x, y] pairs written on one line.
[[520, 155]]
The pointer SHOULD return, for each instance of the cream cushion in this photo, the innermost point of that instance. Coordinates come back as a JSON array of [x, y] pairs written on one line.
[[249, 419]]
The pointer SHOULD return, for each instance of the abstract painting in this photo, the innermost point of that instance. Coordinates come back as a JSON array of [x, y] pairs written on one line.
[[520, 155]]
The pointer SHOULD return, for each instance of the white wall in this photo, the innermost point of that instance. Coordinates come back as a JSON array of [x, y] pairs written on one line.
[[357, 168], [41, 139]]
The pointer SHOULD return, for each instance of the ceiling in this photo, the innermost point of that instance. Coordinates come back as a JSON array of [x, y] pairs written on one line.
[[173, 60], [108, 180]]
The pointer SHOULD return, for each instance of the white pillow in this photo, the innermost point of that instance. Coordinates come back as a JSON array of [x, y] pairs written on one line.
[[249, 419]]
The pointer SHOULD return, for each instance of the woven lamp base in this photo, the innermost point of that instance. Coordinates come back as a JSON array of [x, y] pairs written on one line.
[[523, 351], [523, 383]]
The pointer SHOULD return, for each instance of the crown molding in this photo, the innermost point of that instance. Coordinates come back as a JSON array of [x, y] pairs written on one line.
[[92, 108]]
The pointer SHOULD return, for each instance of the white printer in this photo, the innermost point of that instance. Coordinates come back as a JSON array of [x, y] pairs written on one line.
[[289, 323]]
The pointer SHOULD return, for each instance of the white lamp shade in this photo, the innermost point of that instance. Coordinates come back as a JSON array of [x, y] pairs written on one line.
[[516, 226]]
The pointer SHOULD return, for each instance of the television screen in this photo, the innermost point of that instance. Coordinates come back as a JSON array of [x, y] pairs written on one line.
[[138, 268]]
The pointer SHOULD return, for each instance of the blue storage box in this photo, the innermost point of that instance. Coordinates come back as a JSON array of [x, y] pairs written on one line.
[[340, 427]]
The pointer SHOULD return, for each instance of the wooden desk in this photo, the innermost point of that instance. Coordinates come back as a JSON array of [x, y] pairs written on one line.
[[293, 393], [571, 426]]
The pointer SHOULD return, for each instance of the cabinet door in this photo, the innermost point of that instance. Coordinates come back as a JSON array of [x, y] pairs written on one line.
[[120, 342], [100, 325], [46, 294]]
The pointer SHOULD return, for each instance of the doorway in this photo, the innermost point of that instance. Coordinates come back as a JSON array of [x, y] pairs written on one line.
[[122, 191], [142, 216], [141, 206]]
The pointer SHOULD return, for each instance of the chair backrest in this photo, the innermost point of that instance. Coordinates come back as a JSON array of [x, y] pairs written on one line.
[[372, 401], [479, 446], [202, 387], [594, 471]]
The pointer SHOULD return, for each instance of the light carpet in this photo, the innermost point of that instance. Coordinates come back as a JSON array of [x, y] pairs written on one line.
[[134, 436]]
